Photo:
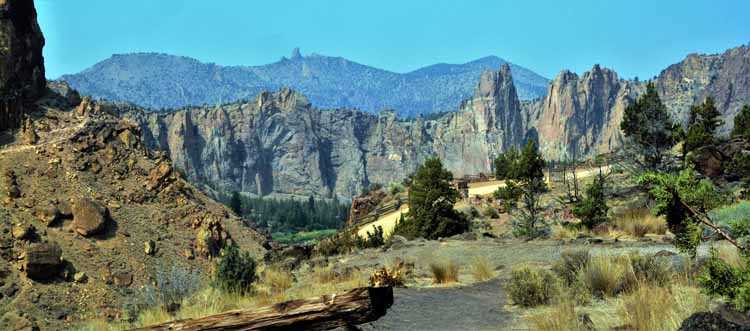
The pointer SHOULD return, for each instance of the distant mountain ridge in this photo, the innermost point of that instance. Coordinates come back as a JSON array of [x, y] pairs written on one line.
[[166, 81]]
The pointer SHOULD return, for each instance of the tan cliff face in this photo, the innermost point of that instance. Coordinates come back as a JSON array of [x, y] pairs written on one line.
[[279, 144], [21, 61], [581, 116]]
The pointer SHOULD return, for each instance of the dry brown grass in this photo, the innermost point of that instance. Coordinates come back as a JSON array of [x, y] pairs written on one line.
[[559, 317], [444, 271], [324, 274], [639, 222], [606, 276], [561, 232], [730, 254], [481, 269], [651, 308]]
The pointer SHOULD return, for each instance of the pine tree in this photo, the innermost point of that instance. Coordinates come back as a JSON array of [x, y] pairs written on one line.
[[531, 175], [742, 123], [703, 122], [235, 203], [592, 210], [431, 199], [649, 128]]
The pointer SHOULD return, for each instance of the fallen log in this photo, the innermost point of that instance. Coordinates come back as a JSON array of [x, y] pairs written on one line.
[[327, 312]]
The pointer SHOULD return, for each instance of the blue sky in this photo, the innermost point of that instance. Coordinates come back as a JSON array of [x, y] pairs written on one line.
[[636, 38]]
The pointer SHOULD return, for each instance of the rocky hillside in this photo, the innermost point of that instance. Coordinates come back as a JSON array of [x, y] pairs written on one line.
[[279, 143], [88, 216], [21, 62], [165, 81], [725, 76]]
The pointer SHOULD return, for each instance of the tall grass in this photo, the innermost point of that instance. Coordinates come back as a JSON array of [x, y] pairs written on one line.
[[725, 215], [560, 317], [653, 308], [639, 222], [607, 276], [481, 269], [444, 271]]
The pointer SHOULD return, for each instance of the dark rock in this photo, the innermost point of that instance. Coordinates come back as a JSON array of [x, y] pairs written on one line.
[[43, 261], [89, 217], [708, 321]]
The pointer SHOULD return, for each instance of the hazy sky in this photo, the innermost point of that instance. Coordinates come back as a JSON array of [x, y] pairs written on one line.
[[636, 38]]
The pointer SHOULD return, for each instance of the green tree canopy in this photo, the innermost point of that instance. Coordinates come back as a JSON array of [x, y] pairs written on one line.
[[647, 124], [703, 122], [431, 199], [742, 123], [592, 210]]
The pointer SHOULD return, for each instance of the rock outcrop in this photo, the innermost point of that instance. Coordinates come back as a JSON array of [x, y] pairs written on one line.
[[725, 76], [581, 116], [278, 143], [21, 61]]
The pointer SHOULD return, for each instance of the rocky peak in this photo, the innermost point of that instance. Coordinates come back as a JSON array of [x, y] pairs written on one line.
[[21, 61], [581, 115], [296, 54]]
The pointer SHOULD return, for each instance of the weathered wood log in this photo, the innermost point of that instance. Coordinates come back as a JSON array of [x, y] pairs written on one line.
[[327, 312]]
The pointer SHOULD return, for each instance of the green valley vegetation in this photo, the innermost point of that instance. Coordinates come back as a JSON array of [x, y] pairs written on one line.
[[291, 220], [649, 130], [431, 200]]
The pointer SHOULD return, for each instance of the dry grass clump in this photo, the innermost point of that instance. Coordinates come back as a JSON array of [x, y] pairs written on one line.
[[653, 308], [607, 276], [570, 264], [561, 232], [561, 316], [444, 271], [278, 280], [324, 274], [529, 287], [639, 222], [481, 269]]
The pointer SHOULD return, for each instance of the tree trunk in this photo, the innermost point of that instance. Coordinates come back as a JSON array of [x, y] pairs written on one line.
[[327, 312]]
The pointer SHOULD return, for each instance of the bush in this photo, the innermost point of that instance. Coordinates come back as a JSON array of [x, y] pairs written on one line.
[[529, 287], [509, 194], [720, 279], [171, 286], [374, 239], [236, 271], [490, 212], [341, 243], [571, 263], [444, 272], [396, 188]]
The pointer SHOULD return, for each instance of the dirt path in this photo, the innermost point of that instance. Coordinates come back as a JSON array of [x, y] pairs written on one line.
[[387, 222], [475, 307]]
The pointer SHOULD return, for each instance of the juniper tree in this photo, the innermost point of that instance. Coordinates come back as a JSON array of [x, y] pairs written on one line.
[[431, 199], [703, 122], [742, 123], [649, 129], [592, 210]]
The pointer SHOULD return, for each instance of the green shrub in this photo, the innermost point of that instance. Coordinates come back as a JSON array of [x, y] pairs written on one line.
[[341, 243], [719, 279], [570, 264], [509, 194], [374, 239], [490, 212], [236, 271], [529, 287], [396, 188]]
